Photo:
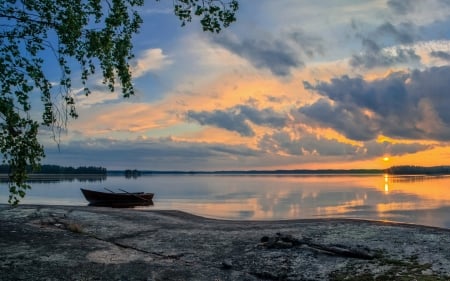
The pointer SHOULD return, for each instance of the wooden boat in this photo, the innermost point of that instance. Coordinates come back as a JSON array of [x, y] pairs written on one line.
[[116, 199]]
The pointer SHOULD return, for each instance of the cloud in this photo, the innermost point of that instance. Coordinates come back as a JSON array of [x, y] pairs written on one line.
[[379, 46], [310, 45], [276, 55], [170, 154], [345, 118], [222, 119], [97, 96], [124, 117], [278, 148], [239, 118], [307, 144], [387, 33], [403, 33], [403, 6], [146, 153], [378, 149], [375, 57], [407, 105], [441, 55], [310, 144], [429, 15], [279, 55], [150, 60]]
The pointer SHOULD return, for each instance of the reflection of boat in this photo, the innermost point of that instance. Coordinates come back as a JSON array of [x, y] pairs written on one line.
[[115, 199]]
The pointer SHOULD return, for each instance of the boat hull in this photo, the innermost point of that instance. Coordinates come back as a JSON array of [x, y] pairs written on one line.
[[97, 198]]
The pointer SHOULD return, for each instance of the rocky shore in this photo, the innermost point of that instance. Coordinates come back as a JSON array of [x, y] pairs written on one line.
[[87, 243]]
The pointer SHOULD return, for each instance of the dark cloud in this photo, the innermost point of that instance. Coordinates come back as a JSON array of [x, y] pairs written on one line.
[[170, 154], [310, 45], [402, 105], [229, 120], [378, 149], [279, 142], [386, 35], [157, 154], [275, 55], [279, 55], [310, 144], [348, 118], [371, 59], [403, 33], [307, 144], [403, 6], [441, 55], [237, 118]]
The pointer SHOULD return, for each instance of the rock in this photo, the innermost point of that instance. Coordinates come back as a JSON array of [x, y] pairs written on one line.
[[227, 264], [280, 241], [158, 245]]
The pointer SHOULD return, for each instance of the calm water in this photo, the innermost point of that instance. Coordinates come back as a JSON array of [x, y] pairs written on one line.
[[411, 199]]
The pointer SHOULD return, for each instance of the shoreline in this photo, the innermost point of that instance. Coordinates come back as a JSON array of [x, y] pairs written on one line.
[[188, 214], [95, 243]]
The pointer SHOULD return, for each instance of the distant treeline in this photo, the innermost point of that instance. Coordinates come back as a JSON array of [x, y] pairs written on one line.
[[55, 169], [253, 172], [418, 170], [395, 170]]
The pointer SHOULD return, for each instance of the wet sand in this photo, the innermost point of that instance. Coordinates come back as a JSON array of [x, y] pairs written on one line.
[[93, 243]]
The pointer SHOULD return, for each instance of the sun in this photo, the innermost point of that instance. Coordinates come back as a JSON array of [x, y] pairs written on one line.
[[385, 159]]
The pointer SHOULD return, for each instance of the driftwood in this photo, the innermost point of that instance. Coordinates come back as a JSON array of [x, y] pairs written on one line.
[[285, 241]]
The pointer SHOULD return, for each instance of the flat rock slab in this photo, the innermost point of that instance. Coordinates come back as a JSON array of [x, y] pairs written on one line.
[[89, 243]]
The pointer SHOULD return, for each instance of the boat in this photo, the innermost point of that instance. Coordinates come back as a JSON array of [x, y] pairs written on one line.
[[117, 199]]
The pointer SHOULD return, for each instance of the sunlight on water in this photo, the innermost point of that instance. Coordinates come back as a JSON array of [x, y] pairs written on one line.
[[411, 199]]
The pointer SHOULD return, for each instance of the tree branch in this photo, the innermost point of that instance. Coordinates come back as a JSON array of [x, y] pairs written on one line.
[[28, 20]]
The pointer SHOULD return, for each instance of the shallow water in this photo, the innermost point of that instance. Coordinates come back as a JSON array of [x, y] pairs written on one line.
[[411, 199]]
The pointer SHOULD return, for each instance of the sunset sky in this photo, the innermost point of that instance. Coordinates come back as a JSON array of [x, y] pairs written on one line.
[[291, 84]]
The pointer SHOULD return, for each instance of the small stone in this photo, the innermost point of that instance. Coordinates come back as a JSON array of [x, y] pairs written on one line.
[[48, 221], [265, 239], [227, 264]]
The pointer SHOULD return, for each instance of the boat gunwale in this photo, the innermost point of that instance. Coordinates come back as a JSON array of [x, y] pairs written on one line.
[[96, 197]]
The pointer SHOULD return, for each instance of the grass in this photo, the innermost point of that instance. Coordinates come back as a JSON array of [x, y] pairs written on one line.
[[74, 227]]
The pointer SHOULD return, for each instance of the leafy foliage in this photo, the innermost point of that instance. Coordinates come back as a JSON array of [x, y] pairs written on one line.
[[81, 34], [86, 32], [215, 14]]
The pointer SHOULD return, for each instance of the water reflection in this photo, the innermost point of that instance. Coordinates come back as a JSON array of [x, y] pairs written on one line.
[[125, 204], [386, 183], [423, 200]]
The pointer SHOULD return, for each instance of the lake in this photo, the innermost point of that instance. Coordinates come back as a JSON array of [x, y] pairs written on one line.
[[411, 199]]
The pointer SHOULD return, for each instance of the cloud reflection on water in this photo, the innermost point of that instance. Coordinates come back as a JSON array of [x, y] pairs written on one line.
[[423, 200], [292, 197]]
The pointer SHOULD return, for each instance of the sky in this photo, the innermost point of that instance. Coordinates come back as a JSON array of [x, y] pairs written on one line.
[[292, 84]]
